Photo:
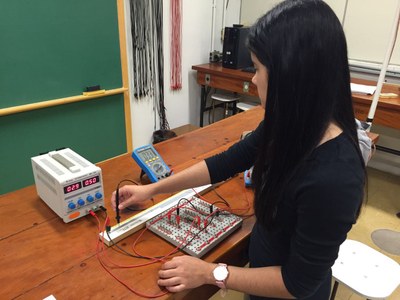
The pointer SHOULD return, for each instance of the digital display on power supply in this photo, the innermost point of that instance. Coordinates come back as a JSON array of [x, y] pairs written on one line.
[[91, 181], [72, 187], [78, 185]]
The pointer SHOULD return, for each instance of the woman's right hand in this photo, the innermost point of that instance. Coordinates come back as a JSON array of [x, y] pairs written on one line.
[[131, 195], [196, 175]]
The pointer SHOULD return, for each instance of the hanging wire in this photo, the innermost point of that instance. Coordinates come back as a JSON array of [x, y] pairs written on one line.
[[148, 57], [176, 45]]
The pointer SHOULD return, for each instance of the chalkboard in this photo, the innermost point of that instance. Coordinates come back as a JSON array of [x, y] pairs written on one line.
[[53, 49], [94, 129]]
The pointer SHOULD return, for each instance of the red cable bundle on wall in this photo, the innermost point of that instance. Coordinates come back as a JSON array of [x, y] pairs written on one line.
[[176, 41]]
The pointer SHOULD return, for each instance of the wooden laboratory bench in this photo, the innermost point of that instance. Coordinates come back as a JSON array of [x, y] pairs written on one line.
[[41, 255], [213, 75]]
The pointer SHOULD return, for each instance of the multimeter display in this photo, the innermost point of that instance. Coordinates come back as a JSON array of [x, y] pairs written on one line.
[[151, 162], [147, 154]]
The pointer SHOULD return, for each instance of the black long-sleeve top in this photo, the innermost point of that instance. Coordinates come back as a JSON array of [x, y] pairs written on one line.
[[318, 208]]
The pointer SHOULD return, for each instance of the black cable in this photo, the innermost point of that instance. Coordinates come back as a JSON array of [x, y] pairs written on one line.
[[198, 233], [118, 217], [135, 183], [222, 198], [244, 216], [202, 213], [190, 202]]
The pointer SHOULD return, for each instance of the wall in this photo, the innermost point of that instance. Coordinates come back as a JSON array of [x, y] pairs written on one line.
[[253, 9], [367, 25]]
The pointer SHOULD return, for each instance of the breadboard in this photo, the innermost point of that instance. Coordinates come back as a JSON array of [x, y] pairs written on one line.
[[136, 222], [195, 229]]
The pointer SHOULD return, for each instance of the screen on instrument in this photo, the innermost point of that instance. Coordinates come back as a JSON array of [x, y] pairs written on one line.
[[147, 154], [151, 162]]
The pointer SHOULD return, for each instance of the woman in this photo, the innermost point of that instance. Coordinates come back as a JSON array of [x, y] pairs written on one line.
[[308, 170]]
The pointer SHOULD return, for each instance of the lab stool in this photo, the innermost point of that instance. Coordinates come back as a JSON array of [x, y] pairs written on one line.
[[228, 101], [365, 271], [243, 106]]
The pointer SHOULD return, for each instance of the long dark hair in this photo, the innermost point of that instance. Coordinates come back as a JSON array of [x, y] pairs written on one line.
[[302, 44]]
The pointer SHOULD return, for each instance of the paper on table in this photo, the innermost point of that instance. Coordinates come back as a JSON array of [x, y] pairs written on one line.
[[362, 88]]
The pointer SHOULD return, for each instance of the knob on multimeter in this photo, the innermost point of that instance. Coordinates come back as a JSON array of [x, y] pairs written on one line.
[[151, 162]]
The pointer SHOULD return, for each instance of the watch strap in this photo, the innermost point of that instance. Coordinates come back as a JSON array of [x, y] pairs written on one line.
[[222, 283]]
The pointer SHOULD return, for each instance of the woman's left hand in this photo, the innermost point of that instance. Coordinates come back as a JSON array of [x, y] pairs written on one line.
[[185, 272]]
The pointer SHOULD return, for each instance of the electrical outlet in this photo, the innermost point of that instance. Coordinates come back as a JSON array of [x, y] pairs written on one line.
[[207, 78]]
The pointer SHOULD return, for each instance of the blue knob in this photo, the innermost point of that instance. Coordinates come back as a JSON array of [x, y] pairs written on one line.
[[99, 195], [81, 202], [90, 198], [71, 205]]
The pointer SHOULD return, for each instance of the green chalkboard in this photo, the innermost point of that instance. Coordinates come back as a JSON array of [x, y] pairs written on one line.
[[53, 49], [94, 129]]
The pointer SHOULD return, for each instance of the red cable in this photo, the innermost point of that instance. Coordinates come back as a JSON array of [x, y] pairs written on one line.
[[102, 257], [100, 249], [176, 49]]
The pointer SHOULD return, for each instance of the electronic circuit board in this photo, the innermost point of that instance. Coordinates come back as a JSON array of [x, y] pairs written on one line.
[[194, 225]]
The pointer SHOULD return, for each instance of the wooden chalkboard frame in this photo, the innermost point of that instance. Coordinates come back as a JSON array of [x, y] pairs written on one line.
[[16, 111]]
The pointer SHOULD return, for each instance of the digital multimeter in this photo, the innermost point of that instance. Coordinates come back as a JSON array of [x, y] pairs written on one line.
[[151, 163], [247, 177]]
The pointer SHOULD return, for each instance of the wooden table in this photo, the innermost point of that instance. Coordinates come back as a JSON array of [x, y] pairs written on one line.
[[42, 256], [213, 75], [388, 109]]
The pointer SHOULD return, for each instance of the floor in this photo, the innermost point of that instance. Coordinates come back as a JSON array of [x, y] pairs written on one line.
[[379, 213]]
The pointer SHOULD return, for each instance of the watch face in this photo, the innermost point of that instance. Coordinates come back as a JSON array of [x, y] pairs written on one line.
[[220, 273]]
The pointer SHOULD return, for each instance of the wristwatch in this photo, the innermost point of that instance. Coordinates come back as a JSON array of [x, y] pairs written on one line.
[[221, 273]]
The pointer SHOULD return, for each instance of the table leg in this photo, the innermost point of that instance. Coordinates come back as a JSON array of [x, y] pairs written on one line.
[[334, 290], [203, 100], [202, 104]]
